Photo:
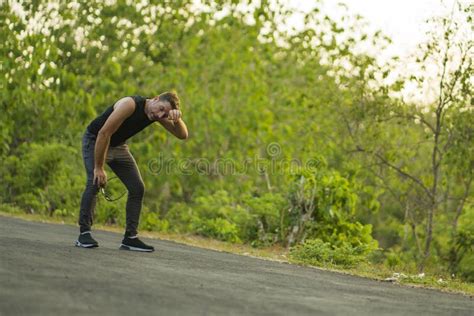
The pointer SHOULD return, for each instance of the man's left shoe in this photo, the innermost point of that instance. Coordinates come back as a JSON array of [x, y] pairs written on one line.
[[135, 244], [85, 240]]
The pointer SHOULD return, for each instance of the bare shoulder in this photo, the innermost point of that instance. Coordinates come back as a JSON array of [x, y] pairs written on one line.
[[123, 108], [126, 103]]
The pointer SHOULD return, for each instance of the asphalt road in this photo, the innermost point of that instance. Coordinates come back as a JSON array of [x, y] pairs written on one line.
[[42, 273]]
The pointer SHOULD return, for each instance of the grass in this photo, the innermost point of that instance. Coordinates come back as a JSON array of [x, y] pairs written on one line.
[[277, 253]]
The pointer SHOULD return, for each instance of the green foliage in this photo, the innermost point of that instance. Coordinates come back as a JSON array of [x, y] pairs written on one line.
[[317, 252], [322, 209], [41, 178], [255, 219], [218, 228], [10, 208], [398, 260], [151, 221], [323, 205], [462, 253], [267, 213], [317, 96], [216, 216]]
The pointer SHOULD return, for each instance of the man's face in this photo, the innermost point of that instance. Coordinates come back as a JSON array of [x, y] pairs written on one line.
[[159, 109]]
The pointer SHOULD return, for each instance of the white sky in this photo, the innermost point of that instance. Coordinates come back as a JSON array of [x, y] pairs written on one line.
[[402, 20]]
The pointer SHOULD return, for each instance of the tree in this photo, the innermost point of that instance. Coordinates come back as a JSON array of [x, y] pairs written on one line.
[[441, 129]]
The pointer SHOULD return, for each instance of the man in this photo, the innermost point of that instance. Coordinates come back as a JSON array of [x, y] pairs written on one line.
[[104, 142]]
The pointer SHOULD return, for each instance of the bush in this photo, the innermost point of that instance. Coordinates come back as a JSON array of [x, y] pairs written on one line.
[[180, 218], [465, 254], [461, 254], [323, 206], [392, 259], [218, 228], [466, 267], [32, 202], [43, 178], [150, 221], [10, 208], [265, 227], [217, 216], [108, 213], [317, 252]]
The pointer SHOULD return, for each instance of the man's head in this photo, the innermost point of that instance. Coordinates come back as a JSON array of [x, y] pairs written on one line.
[[170, 97], [160, 106]]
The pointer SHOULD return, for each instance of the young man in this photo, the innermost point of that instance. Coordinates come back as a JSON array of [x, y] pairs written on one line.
[[104, 142]]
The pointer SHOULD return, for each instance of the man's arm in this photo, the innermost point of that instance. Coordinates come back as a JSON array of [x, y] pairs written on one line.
[[176, 126], [122, 110]]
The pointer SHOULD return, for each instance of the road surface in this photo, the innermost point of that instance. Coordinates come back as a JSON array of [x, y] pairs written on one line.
[[42, 273]]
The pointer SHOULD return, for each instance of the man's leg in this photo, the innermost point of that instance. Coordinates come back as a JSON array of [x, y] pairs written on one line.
[[89, 196], [124, 166]]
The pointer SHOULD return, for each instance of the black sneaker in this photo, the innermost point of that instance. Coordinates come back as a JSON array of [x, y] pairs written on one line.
[[85, 240], [135, 244]]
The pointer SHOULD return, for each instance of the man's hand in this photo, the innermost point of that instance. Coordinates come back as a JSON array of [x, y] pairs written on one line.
[[174, 124], [100, 177], [174, 115]]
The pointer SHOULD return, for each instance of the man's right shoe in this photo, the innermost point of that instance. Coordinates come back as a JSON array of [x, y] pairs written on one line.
[[85, 240], [135, 244]]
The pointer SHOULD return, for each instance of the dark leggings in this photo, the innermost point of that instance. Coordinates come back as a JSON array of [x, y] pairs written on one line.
[[122, 163]]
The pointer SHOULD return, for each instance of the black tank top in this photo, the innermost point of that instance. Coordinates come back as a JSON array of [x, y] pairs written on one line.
[[132, 125]]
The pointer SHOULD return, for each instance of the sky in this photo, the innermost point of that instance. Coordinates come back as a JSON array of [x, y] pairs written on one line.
[[402, 20]]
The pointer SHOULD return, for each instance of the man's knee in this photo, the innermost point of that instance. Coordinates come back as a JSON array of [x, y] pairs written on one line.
[[137, 189]]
